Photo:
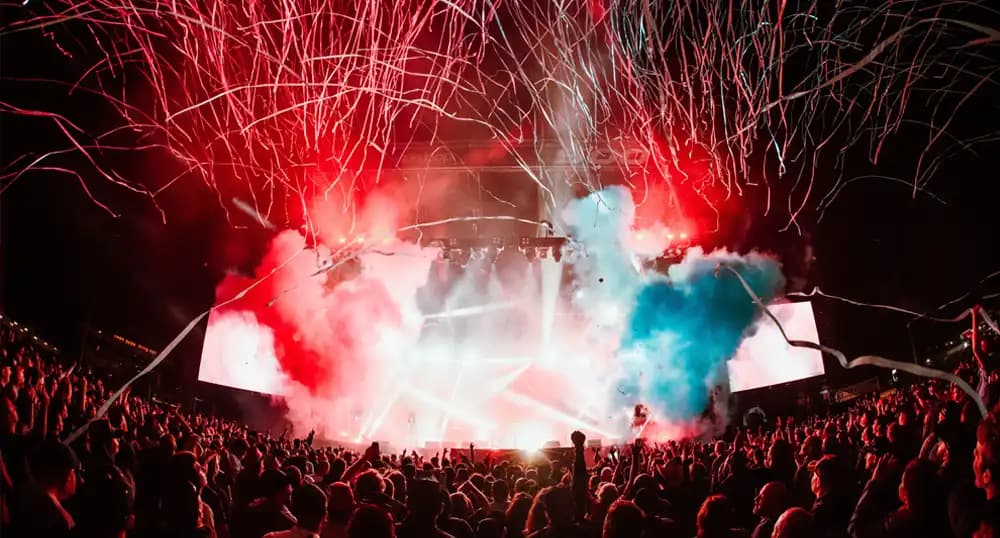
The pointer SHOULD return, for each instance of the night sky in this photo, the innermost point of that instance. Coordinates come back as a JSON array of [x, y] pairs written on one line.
[[66, 265]]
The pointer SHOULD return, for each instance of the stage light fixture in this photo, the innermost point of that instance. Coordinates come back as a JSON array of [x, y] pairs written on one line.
[[529, 253], [557, 254], [543, 253]]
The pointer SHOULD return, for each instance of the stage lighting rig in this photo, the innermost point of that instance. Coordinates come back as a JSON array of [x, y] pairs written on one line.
[[461, 249]]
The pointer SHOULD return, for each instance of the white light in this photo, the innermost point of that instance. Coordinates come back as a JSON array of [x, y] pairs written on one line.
[[530, 438]]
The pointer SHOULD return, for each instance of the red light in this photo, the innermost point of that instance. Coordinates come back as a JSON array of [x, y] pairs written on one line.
[[670, 236], [684, 236]]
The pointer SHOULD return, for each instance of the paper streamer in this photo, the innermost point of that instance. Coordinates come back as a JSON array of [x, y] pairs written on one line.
[[816, 291], [989, 321], [982, 312], [167, 350], [864, 360], [969, 293], [249, 210]]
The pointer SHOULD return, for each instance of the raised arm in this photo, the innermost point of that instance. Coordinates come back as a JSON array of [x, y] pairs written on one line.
[[478, 498], [363, 463], [636, 464], [580, 496]]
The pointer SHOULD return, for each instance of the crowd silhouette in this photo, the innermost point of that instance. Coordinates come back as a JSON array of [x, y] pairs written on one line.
[[915, 461]]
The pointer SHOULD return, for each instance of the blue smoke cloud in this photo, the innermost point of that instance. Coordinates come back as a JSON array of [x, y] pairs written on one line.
[[601, 222], [683, 328], [676, 330]]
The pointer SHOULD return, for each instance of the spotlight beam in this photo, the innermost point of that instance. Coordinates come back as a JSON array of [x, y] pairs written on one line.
[[438, 403], [553, 413], [470, 311]]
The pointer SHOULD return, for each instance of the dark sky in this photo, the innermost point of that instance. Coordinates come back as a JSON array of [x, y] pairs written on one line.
[[66, 264]]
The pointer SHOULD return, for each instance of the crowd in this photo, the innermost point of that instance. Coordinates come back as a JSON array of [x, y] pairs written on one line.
[[919, 461]]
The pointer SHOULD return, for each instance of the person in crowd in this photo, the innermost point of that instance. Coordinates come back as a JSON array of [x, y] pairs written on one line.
[[340, 505], [624, 520], [715, 519], [499, 494], [517, 515], [491, 527], [739, 488], [38, 508], [986, 456], [185, 471], [371, 521], [557, 504], [309, 509], [811, 450], [794, 523], [106, 505], [771, 502], [833, 506], [607, 494], [922, 509], [424, 504], [269, 512], [181, 514]]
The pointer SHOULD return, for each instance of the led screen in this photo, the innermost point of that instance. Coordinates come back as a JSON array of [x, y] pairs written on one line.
[[765, 358]]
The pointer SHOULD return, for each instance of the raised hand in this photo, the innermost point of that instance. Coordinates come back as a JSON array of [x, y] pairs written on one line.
[[578, 438]]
